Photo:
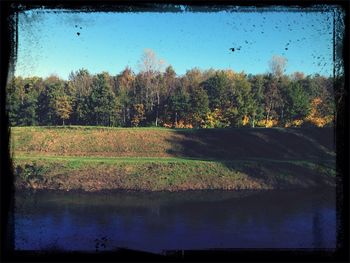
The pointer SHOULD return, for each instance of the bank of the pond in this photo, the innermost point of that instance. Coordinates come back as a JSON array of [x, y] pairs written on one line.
[[169, 175], [147, 159]]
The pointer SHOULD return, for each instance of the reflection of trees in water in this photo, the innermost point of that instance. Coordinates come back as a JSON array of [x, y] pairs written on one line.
[[267, 207], [266, 210]]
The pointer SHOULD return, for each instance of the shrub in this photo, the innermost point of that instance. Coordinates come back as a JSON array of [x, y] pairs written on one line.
[[31, 173]]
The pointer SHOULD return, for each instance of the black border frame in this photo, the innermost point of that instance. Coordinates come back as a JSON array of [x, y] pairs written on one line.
[[8, 42]]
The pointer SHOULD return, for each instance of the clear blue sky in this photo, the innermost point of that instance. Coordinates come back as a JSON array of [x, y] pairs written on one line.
[[49, 43]]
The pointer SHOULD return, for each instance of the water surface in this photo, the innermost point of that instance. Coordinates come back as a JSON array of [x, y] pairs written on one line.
[[165, 221]]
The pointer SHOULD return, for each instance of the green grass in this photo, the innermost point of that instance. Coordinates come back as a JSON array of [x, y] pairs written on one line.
[[157, 159], [163, 160], [174, 174]]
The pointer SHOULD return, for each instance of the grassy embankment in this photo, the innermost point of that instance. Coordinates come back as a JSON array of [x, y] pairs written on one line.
[[100, 158]]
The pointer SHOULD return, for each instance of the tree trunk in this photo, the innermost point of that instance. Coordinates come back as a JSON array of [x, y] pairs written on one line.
[[157, 117], [267, 118], [63, 122], [157, 113], [175, 119], [124, 113], [282, 117]]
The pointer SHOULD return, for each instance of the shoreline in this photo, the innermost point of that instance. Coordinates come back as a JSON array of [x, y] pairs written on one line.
[[171, 176]]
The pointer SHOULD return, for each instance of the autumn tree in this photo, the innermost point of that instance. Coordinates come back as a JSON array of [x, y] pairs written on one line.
[[63, 108], [138, 114], [201, 98]]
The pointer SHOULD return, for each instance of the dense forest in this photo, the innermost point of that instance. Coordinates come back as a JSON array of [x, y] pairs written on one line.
[[159, 97]]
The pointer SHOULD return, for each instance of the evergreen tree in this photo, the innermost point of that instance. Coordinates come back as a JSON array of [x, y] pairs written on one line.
[[199, 106], [297, 101], [27, 115], [216, 88], [179, 105], [257, 110]]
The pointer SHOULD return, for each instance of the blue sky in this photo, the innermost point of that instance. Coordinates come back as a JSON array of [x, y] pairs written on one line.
[[49, 43]]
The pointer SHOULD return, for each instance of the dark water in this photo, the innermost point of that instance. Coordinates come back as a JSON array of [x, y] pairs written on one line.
[[191, 220]]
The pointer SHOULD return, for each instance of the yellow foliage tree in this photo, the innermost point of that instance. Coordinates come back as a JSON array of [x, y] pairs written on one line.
[[215, 119], [139, 114], [267, 123], [315, 117], [294, 123], [183, 125], [63, 107], [245, 120]]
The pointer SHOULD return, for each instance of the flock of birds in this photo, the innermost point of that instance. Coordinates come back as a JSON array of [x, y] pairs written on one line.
[[78, 33], [325, 26], [293, 25]]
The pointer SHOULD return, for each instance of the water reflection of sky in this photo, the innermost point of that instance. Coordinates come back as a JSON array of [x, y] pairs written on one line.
[[250, 222]]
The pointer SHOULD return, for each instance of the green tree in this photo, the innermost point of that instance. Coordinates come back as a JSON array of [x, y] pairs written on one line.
[[179, 104], [199, 106], [240, 101], [53, 88], [80, 83], [14, 98], [257, 108], [102, 102], [217, 88], [297, 101], [28, 109]]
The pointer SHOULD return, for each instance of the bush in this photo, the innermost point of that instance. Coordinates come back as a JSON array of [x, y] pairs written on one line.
[[31, 173]]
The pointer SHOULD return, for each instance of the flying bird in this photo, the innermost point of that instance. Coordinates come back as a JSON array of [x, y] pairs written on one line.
[[232, 49]]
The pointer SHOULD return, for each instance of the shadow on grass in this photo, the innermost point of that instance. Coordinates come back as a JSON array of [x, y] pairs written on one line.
[[277, 144], [276, 155]]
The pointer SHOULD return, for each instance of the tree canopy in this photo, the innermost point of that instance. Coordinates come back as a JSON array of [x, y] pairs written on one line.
[[157, 96]]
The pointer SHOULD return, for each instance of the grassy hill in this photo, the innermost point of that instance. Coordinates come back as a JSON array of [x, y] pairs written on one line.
[[98, 158]]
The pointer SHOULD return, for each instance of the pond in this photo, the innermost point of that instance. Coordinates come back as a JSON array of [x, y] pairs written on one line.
[[160, 221]]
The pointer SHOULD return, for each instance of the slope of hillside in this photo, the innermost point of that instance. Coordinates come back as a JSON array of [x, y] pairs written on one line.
[[274, 143], [93, 158]]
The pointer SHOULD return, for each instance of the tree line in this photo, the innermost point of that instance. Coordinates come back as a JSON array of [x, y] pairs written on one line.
[[156, 97]]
